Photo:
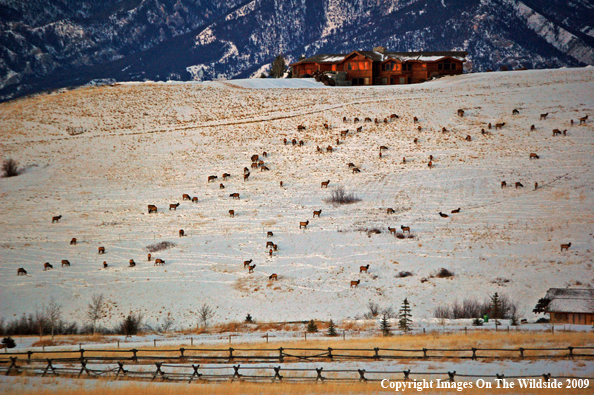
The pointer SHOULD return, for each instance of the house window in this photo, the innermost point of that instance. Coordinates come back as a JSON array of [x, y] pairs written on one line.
[[402, 80], [349, 66], [333, 67], [362, 65], [440, 66], [453, 66], [384, 80], [355, 65]]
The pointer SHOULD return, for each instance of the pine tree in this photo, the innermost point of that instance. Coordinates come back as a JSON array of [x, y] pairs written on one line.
[[405, 322], [385, 326], [278, 67], [332, 329], [312, 327], [495, 308], [249, 319]]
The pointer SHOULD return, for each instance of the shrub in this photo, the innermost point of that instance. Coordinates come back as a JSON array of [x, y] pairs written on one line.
[[444, 273], [472, 308], [130, 325], [9, 342], [477, 322], [404, 274], [10, 168], [340, 196], [163, 245], [400, 236]]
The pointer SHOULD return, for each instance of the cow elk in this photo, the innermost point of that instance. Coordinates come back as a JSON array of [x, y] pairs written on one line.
[[329, 149], [303, 224], [532, 128], [405, 228], [583, 120], [65, 263], [565, 246], [21, 272], [325, 184], [73, 241], [269, 234], [390, 211], [247, 263], [543, 116], [356, 170], [515, 112], [273, 276], [355, 283], [317, 213], [195, 199], [415, 120], [535, 186], [232, 213], [246, 177], [173, 206], [300, 127], [133, 264], [226, 176], [159, 262], [499, 125], [101, 250], [430, 164], [442, 215], [534, 156], [456, 211], [503, 184], [212, 178], [255, 158], [460, 113], [519, 185], [185, 196], [468, 138], [326, 126], [152, 208], [392, 230], [363, 268], [104, 265], [47, 266], [56, 219], [181, 233], [149, 257], [234, 195], [251, 268]]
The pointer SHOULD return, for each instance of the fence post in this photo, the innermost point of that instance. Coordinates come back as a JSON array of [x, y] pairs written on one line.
[[82, 353], [406, 374], [181, 350], [267, 338], [425, 353], [330, 353], [474, 354], [305, 335], [192, 341], [452, 374], [376, 349], [319, 377], [134, 358], [154, 342], [277, 374], [281, 357], [570, 352], [521, 352], [118, 344], [231, 354], [29, 353], [236, 374], [343, 335], [362, 375]]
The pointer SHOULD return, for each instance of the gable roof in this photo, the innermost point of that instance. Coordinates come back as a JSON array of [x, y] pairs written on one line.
[[568, 300], [419, 56]]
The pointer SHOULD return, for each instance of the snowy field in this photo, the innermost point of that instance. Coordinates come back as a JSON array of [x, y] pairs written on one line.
[[150, 143]]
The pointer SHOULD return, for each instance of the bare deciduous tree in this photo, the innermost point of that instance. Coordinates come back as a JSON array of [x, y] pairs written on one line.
[[167, 323], [95, 310], [53, 314], [205, 314]]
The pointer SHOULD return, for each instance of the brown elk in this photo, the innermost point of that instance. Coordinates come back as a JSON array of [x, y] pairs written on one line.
[[281, 184], [285, 141], [247, 263], [273, 276], [301, 143], [159, 262], [275, 247], [543, 116], [532, 127], [392, 230], [565, 132], [359, 129], [383, 148], [442, 215], [173, 206], [355, 283], [195, 199], [265, 154], [489, 125], [325, 184], [571, 122], [185, 196], [318, 148], [234, 195], [300, 127], [65, 263], [565, 246], [355, 120], [254, 165], [56, 219], [101, 250], [515, 112], [380, 154], [47, 266], [318, 212], [133, 264], [456, 211], [416, 140], [534, 156], [394, 116], [499, 125], [104, 265], [344, 119], [363, 268], [294, 141], [212, 178], [556, 132], [303, 224], [246, 170], [468, 138], [356, 170], [519, 185], [21, 271], [535, 186], [430, 164], [583, 120], [149, 257], [221, 186], [483, 131], [329, 149], [343, 133], [415, 120], [181, 233], [232, 213], [351, 165], [405, 228], [73, 241], [403, 160], [419, 128], [503, 184], [270, 252], [226, 175], [444, 130], [460, 113], [255, 158], [264, 168], [390, 211], [251, 268], [326, 126], [260, 163], [269, 244], [367, 119], [269, 234], [246, 177]]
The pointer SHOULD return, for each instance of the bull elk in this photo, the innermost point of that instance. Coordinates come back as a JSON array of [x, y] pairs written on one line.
[[355, 283], [73, 241], [273, 276], [56, 219], [212, 178], [181, 233], [565, 246], [405, 228], [101, 250], [234, 195], [363, 268], [152, 208], [543, 116], [65, 263], [47, 266], [303, 224], [21, 271], [173, 206], [318, 212], [247, 263], [534, 156], [185, 196]]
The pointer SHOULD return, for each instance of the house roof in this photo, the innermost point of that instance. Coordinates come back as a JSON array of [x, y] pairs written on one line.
[[380, 57], [571, 300]]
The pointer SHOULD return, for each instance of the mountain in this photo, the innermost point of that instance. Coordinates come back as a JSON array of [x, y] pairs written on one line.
[[58, 43]]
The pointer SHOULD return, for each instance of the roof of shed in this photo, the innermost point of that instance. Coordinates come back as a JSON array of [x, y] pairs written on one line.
[[571, 300]]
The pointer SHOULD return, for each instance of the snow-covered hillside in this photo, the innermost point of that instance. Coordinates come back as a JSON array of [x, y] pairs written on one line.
[[149, 143]]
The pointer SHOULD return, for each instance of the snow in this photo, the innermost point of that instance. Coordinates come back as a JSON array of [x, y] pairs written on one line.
[[150, 143]]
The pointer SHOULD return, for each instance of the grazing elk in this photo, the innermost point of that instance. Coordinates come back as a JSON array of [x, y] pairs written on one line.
[[185, 196], [390, 211], [468, 138], [294, 141], [394, 116], [251, 268], [367, 119], [329, 149], [460, 113], [269, 244], [65, 263], [254, 165], [133, 264], [234, 195], [47, 266], [181, 233], [556, 132], [247, 263], [149, 257], [325, 184], [73, 241], [232, 213], [405, 228], [159, 262], [269, 234], [583, 120], [499, 125], [264, 168], [212, 178], [430, 164], [173, 206], [246, 177], [456, 211], [532, 128], [355, 283], [195, 199], [503, 184], [534, 156], [343, 133], [519, 185], [273, 276], [351, 165], [392, 230], [303, 224], [318, 212], [357, 170], [359, 129], [565, 246], [104, 265], [415, 120], [543, 116], [355, 120], [21, 271], [442, 215], [226, 176], [300, 127], [326, 126], [101, 250], [363, 268], [56, 219], [383, 148], [152, 208], [515, 112]]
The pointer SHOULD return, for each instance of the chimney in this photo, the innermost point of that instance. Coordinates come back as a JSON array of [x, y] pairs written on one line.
[[381, 50]]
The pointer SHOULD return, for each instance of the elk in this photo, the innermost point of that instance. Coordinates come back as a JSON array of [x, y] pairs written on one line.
[[185, 196], [359, 129], [281, 184], [515, 112], [468, 138], [483, 131], [269, 244], [326, 126], [254, 165], [383, 148], [571, 122], [317, 213], [254, 158], [301, 143], [532, 127], [355, 283], [416, 140], [519, 185], [534, 156], [265, 154], [47, 266], [499, 125], [444, 130], [273, 276], [390, 211], [350, 165], [303, 224], [456, 211], [503, 184], [583, 120], [356, 170], [269, 234], [394, 116], [270, 252], [101, 250], [430, 157], [159, 262], [294, 141], [226, 175], [543, 116], [264, 168], [251, 268], [246, 176], [133, 264], [392, 230], [405, 228], [419, 128], [380, 154], [232, 213], [460, 113], [403, 160], [212, 178], [343, 133], [104, 265], [367, 119], [181, 233], [363, 268], [443, 215], [56, 219], [355, 120], [430, 164], [300, 127], [535, 186], [489, 125], [285, 141], [415, 120], [21, 271], [565, 132], [556, 132], [173, 206], [149, 257], [344, 119], [325, 184], [329, 149], [65, 263], [565, 246], [247, 263], [246, 170], [318, 148], [73, 241], [234, 195]]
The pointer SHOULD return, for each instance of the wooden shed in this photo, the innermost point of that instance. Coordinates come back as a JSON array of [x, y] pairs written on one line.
[[568, 305]]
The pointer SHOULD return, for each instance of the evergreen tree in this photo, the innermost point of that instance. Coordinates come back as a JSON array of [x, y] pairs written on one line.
[[332, 329], [249, 319], [405, 322], [496, 308], [278, 67], [9, 342], [385, 325], [312, 327]]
